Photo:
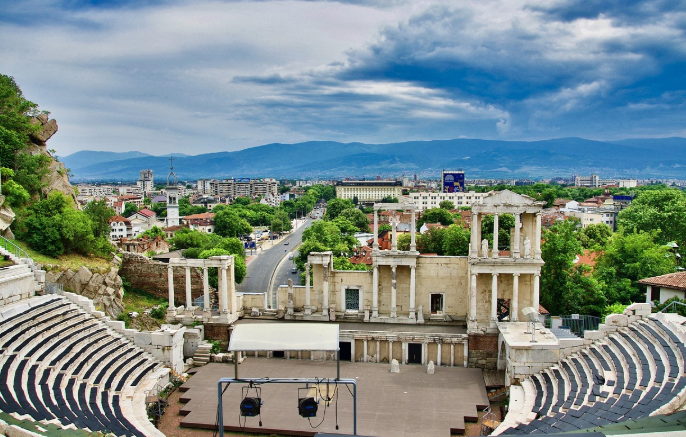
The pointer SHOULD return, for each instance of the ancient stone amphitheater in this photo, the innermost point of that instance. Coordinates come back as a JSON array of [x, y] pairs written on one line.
[[65, 367]]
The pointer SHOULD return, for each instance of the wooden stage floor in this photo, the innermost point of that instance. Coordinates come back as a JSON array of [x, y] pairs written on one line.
[[409, 403]]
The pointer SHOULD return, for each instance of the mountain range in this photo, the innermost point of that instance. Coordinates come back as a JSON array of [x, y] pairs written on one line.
[[563, 157]]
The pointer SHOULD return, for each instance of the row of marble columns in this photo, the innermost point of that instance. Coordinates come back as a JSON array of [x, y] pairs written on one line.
[[516, 252], [405, 352], [514, 302], [227, 288]]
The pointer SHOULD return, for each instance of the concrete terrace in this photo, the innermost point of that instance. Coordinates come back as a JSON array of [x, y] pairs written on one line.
[[411, 403]]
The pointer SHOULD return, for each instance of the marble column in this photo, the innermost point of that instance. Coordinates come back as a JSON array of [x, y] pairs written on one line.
[[465, 354], [189, 299], [352, 350], [378, 351], [232, 288], [474, 252], [515, 243], [438, 354], [514, 305], [413, 291], [404, 353], [452, 355], [494, 300], [394, 292], [390, 351], [472, 302], [325, 292], [537, 239], [495, 236], [413, 231], [375, 243], [537, 291], [206, 290], [375, 291], [308, 308], [394, 234], [364, 350], [649, 293], [170, 280], [223, 294]]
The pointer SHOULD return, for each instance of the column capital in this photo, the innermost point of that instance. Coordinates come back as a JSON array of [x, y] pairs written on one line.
[[516, 274], [537, 274], [495, 274]]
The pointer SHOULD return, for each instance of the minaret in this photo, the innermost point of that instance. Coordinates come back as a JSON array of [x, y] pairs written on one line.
[[172, 196]]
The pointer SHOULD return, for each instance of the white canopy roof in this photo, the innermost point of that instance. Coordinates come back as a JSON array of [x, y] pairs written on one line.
[[284, 337]]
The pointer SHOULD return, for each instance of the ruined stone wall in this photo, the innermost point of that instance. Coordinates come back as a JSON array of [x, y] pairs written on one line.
[[151, 276], [104, 288], [483, 351]]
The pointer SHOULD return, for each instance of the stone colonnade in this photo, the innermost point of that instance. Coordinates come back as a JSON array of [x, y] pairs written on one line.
[[226, 286], [515, 249], [514, 306], [450, 350]]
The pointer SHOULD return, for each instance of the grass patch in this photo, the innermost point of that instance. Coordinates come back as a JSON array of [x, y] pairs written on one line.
[[136, 300], [70, 261]]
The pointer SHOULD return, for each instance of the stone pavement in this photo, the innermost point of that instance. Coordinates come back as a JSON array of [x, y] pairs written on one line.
[[409, 403]]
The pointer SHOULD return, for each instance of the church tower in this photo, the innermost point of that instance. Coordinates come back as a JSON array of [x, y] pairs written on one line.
[[172, 196]]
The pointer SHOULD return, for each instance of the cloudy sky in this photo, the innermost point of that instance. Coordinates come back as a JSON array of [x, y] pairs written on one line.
[[202, 76]]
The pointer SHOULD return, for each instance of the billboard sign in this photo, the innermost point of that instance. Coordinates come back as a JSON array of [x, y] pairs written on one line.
[[242, 180], [453, 182]]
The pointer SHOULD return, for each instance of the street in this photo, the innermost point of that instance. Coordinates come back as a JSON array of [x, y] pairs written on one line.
[[261, 268]]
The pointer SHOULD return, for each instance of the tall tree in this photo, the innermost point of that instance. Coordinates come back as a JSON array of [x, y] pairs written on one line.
[[99, 214], [228, 224], [356, 217], [662, 210], [335, 206]]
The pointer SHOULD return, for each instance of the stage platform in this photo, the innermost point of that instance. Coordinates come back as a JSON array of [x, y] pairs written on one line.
[[409, 403]]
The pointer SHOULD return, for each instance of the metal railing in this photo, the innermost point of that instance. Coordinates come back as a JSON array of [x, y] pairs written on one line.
[[578, 323], [15, 250], [54, 288], [674, 303]]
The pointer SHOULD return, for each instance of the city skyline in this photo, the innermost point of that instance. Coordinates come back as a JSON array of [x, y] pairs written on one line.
[[221, 76]]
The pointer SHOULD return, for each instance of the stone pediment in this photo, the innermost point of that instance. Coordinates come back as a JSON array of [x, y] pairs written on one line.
[[508, 201]]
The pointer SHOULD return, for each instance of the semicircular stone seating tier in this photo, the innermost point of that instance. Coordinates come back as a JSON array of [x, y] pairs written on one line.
[[633, 373], [60, 365]]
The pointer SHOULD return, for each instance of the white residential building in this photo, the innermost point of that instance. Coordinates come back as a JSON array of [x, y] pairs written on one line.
[[427, 199]]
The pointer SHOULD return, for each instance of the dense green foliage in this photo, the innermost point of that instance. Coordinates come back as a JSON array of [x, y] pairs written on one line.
[[53, 227], [200, 245], [565, 287], [22, 173], [657, 210], [228, 224], [153, 233], [335, 207]]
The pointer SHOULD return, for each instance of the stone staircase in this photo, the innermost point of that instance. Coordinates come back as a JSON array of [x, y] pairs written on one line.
[[202, 354]]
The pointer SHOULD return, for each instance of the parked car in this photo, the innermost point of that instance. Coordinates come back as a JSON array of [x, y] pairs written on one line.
[[294, 270]]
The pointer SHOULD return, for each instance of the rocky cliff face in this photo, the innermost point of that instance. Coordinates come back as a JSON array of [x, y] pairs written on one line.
[[57, 178], [105, 289]]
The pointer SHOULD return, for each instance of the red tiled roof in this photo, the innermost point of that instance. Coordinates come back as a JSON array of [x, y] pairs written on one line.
[[145, 212], [364, 257], [676, 281], [118, 219], [201, 216], [589, 258]]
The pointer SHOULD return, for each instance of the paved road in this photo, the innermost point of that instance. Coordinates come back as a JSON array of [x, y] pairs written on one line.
[[261, 268]]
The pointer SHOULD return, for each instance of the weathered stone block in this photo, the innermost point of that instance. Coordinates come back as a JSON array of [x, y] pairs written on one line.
[[617, 320]]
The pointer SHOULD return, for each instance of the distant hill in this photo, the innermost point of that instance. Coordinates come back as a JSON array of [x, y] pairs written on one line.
[[638, 158]]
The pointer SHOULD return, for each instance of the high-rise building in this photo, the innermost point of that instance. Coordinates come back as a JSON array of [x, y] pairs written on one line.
[[145, 182]]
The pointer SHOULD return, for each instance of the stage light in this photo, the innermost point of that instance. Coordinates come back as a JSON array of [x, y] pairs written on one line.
[[250, 407], [307, 407]]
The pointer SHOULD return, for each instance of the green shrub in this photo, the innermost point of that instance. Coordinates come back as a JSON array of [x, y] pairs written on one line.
[[159, 313]]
